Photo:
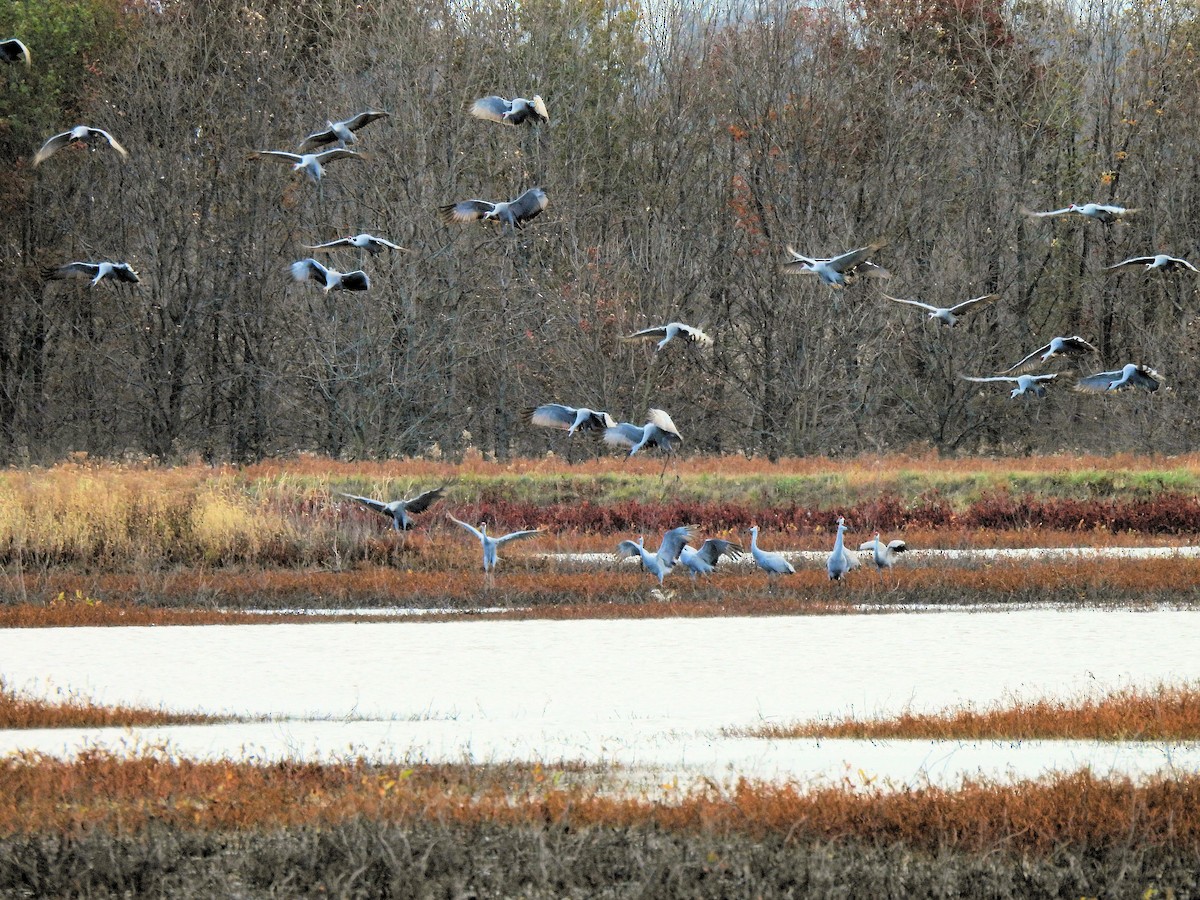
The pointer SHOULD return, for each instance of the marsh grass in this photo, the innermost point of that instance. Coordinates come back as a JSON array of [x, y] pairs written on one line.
[[18, 710], [1164, 713]]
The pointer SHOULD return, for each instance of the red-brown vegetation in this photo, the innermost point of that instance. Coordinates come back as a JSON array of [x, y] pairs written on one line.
[[97, 789], [21, 711], [1167, 713]]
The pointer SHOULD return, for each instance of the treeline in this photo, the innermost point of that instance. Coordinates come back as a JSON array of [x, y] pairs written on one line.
[[688, 145]]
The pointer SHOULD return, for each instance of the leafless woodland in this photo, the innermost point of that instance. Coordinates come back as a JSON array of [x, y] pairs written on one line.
[[687, 146]]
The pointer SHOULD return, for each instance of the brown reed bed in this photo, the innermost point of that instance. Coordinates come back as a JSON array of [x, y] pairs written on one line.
[[19, 710], [102, 790], [1164, 713]]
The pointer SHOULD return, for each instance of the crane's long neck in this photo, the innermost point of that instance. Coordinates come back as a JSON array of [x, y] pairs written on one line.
[[837, 544]]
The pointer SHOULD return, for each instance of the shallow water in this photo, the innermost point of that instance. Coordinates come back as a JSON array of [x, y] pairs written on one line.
[[640, 693]]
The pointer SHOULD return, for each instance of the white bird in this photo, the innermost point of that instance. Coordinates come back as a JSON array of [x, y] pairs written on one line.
[[885, 555], [80, 134], [556, 415], [1129, 375], [96, 271], [510, 112], [342, 131], [669, 331], [399, 510], [1030, 383], [660, 563], [840, 562], [1059, 346], [329, 279], [311, 164], [704, 560], [490, 544], [368, 242], [946, 315], [659, 430], [1101, 212], [1161, 261], [512, 212], [12, 50], [772, 563], [837, 271]]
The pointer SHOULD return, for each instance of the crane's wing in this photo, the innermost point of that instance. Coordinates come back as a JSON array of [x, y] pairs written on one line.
[[466, 210], [623, 434], [1145, 377], [695, 335], [422, 502], [1098, 382], [847, 261], [355, 281], [112, 141], [911, 303], [491, 108], [71, 269], [471, 528], [124, 272], [989, 378], [309, 270], [1184, 263], [1132, 261], [378, 505], [626, 549], [517, 535], [1032, 361], [378, 240], [337, 153], [366, 117], [539, 107], [528, 205], [898, 546], [1050, 212], [318, 139], [673, 541], [714, 548], [798, 262], [12, 50], [552, 415], [967, 304], [662, 420], [52, 146], [340, 242], [658, 332], [1047, 377]]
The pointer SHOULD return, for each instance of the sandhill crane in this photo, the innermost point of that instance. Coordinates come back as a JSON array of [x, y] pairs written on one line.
[[80, 134], [368, 242], [946, 315], [669, 331], [12, 50], [1129, 375], [884, 555], [1059, 346], [400, 510], [97, 271], [1101, 212], [1024, 383], [837, 271], [311, 164], [329, 279], [659, 430], [491, 544], [510, 112], [840, 562], [556, 415], [514, 213], [771, 563], [342, 131], [660, 563], [704, 560], [1160, 261]]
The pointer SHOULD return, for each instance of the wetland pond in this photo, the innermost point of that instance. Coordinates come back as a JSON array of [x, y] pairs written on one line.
[[647, 696]]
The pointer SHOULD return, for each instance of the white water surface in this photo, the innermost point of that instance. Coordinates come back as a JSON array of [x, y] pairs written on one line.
[[648, 695]]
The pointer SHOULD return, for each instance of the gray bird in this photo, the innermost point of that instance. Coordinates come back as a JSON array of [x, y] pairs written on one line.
[[659, 430], [840, 562], [80, 134], [1024, 383], [660, 563], [884, 555], [704, 560], [837, 271], [311, 164], [491, 544], [1129, 375], [1101, 212], [946, 315], [400, 510], [329, 279], [510, 112], [12, 50], [556, 415], [512, 212], [771, 563], [1161, 261], [97, 271], [342, 131], [368, 242], [1059, 346], [665, 333]]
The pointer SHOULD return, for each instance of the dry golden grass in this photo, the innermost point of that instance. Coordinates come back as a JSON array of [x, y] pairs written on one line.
[[50, 796], [21, 711], [1166, 713]]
